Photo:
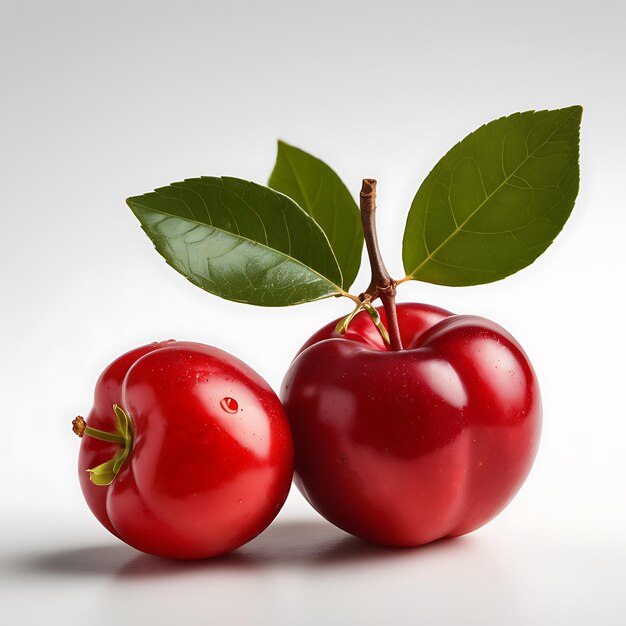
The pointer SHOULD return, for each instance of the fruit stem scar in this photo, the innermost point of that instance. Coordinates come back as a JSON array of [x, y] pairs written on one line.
[[382, 285]]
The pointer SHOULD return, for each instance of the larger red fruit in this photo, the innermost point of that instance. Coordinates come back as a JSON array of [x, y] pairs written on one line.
[[211, 459], [406, 447]]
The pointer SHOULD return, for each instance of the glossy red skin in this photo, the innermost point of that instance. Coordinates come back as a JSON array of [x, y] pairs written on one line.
[[199, 481], [403, 448]]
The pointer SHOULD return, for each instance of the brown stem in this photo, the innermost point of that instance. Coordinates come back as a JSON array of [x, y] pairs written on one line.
[[381, 285]]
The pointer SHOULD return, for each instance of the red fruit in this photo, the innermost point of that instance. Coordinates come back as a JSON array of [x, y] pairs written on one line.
[[211, 459], [406, 447]]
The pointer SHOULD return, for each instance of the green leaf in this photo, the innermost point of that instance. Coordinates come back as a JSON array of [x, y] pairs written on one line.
[[496, 201], [322, 194], [240, 241]]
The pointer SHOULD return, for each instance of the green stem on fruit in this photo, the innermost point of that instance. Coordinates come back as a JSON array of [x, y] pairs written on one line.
[[382, 285], [80, 428], [105, 473], [343, 324], [373, 313]]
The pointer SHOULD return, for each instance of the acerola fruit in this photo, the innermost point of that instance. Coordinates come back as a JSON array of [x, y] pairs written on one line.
[[405, 447], [187, 451]]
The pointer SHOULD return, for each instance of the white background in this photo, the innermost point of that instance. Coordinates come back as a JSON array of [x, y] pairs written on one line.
[[105, 100]]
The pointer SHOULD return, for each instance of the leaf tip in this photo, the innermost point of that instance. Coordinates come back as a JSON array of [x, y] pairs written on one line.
[[131, 201], [575, 110], [284, 149]]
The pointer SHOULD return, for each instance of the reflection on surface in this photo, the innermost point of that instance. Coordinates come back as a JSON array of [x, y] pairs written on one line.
[[90, 561], [285, 543], [314, 543], [296, 572]]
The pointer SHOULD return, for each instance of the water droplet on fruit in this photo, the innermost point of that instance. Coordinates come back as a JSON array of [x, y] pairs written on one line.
[[229, 405]]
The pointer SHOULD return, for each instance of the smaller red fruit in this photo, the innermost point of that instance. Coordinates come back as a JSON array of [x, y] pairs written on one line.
[[188, 453]]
